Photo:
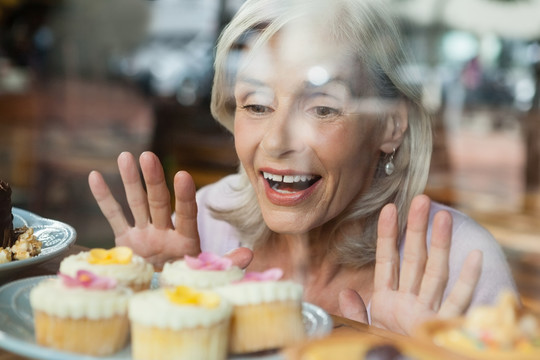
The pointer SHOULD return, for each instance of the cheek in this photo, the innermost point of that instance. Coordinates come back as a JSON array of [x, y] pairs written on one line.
[[351, 155], [244, 141], [346, 146]]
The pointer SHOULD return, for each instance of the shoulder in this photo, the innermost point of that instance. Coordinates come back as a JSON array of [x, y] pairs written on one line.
[[468, 235], [458, 217], [216, 235], [220, 193]]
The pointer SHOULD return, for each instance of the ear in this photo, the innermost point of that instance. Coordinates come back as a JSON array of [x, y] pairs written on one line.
[[396, 125]]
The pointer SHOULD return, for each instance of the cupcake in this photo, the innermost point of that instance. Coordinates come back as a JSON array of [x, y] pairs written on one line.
[[267, 312], [119, 263], [204, 272], [85, 314], [179, 323]]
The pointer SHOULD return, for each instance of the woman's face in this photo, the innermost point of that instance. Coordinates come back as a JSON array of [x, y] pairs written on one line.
[[306, 145]]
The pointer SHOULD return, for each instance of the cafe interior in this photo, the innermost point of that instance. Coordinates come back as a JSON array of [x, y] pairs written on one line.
[[82, 81]]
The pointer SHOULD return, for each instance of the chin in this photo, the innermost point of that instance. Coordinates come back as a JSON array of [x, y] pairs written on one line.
[[290, 226]]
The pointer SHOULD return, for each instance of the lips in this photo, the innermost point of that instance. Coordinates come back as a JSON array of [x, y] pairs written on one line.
[[288, 189]]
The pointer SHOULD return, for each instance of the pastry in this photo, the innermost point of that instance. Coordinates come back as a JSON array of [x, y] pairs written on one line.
[[205, 272], [267, 312], [349, 344], [27, 245], [6, 217], [499, 331], [119, 263], [19, 243], [84, 314], [179, 323]]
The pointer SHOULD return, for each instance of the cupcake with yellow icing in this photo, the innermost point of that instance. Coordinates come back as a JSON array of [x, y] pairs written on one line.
[[84, 314], [267, 312], [179, 323], [205, 271], [119, 263]]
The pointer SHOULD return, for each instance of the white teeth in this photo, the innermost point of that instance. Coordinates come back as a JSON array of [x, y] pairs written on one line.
[[287, 178], [272, 177]]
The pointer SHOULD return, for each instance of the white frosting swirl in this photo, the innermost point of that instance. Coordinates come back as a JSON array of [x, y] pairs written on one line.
[[256, 292], [153, 308], [138, 271], [179, 273], [52, 297]]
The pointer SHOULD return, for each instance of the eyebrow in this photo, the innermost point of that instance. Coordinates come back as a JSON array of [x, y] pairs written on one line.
[[307, 84], [307, 88], [335, 80], [251, 81]]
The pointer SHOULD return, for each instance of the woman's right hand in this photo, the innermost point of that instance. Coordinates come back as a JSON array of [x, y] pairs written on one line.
[[153, 234]]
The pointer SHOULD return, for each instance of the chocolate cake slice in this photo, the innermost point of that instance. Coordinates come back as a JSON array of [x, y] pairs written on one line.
[[6, 217]]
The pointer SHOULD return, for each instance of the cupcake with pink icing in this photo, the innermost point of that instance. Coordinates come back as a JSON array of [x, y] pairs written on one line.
[[119, 263], [267, 312], [84, 314], [205, 271], [179, 323]]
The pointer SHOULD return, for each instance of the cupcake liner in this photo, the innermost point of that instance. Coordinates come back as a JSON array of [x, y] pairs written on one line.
[[153, 343], [84, 336], [266, 326]]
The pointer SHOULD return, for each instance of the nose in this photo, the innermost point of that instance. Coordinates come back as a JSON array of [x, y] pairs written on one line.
[[285, 134]]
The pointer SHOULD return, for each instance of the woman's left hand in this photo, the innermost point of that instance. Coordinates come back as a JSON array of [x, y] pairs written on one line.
[[404, 298]]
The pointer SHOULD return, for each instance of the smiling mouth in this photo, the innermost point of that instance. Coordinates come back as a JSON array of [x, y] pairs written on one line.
[[287, 184]]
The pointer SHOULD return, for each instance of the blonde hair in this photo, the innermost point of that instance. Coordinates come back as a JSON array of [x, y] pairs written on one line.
[[370, 32]]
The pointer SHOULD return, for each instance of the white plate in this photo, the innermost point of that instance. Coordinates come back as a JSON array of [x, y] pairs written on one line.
[[17, 326], [55, 236]]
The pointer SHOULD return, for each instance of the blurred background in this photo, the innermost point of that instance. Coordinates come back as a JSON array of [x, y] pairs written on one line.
[[81, 81]]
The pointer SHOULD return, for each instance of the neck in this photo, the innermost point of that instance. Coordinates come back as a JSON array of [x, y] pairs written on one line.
[[304, 251], [301, 256], [312, 261]]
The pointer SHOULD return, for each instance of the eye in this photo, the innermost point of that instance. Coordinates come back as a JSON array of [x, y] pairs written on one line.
[[325, 112], [257, 109]]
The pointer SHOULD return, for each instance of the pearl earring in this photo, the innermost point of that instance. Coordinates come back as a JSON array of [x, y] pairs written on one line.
[[389, 166]]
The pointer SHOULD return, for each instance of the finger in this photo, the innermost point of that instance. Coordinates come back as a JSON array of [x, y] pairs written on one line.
[[135, 194], [240, 257], [352, 306], [387, 256], [436, 273], [185, 205], [159, 198], [110, 208], [460, 297], [414, 251]]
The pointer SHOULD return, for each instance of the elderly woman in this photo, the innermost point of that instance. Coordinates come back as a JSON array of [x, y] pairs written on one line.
[[334, 147]]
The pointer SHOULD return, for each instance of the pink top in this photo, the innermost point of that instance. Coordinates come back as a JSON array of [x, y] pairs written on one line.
[[220, 237]]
